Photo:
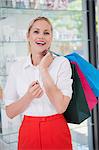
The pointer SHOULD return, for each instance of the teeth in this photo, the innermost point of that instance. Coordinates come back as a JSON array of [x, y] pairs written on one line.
[[41, 42]]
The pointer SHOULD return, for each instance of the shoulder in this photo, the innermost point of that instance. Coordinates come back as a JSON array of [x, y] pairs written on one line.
[[60, 64], [64, 65], [62, 61]]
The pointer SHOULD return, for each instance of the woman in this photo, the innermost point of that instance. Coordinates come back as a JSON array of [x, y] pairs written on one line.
[[40, 87]]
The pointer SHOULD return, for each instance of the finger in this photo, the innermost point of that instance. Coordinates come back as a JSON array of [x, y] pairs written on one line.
[[39, 94], [36, 82], [33, 83], [44, 52], [50, 54], [46, 55], [35, 87], [35, 93]]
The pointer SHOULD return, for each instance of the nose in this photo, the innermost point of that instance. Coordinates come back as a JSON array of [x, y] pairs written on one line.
[[41, 35]]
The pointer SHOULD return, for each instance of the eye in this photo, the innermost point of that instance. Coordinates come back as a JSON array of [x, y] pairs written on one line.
[[46, 33], [36, 31]]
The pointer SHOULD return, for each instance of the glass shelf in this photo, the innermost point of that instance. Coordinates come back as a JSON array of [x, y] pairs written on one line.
[[66, 24], [4, 12], [44, 4], [2, 105], [78, 40], [9, 136], [61, 47], [43, 9], [4, 75], [9, 127]]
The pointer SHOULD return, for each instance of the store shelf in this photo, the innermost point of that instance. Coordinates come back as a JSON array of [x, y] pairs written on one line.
[[9, 11], [44, 4], [5, 75], [55, 41], [42, 8], [9, 136], [9, 127]]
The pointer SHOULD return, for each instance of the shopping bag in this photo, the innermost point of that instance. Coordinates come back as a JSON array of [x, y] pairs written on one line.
[[90, 72], [77, 110], [90, 97]]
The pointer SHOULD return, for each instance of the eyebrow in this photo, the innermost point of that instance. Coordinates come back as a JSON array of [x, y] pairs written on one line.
[[36, 28], [46, 30], [39, 29]]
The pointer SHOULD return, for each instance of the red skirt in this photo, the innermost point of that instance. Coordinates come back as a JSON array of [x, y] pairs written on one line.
[[44, 133]]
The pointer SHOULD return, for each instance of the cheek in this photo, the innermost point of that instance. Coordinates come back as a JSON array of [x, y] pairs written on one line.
[[32, 37], [49, 39], [32, 40]]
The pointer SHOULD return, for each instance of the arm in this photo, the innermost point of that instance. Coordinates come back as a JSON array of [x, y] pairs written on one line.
[[55, 94], [14, 105], [20, 105], [17, 107]]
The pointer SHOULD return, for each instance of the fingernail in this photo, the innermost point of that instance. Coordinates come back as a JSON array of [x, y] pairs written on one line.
[[37, 82]]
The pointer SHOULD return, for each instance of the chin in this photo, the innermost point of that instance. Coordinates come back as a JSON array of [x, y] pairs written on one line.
[[43, 49]]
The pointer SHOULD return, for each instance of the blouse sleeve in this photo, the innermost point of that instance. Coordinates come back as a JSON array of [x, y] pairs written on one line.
[[10, 92], [64, 81]]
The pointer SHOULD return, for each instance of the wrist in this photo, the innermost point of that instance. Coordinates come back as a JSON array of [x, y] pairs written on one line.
[[43, 69], [28, 97]]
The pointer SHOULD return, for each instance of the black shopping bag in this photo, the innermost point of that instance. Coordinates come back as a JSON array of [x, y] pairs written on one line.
[[77, 110]]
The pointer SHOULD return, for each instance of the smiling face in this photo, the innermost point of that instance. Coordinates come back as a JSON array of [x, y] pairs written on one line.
[[40, 36]]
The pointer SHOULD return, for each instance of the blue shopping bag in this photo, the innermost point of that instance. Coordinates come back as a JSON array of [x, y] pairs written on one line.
[[90, 72]]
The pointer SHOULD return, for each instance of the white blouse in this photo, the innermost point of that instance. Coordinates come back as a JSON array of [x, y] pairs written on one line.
[[23, 73]]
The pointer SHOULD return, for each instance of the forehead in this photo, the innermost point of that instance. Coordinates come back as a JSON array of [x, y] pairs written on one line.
[[41, 24]]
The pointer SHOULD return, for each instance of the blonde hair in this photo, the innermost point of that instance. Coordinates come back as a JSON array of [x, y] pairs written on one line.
[[31, 24]]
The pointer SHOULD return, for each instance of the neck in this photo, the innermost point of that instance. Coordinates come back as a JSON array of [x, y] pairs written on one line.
[[36, 59]]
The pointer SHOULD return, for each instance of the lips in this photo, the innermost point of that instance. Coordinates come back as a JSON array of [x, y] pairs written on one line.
[[40, 42]]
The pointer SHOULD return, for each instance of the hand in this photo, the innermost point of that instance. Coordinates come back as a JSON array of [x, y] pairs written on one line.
[[34, 90], [46, 61]]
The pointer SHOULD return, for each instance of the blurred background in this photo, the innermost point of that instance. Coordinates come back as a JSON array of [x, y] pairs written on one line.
[[76, 29]]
